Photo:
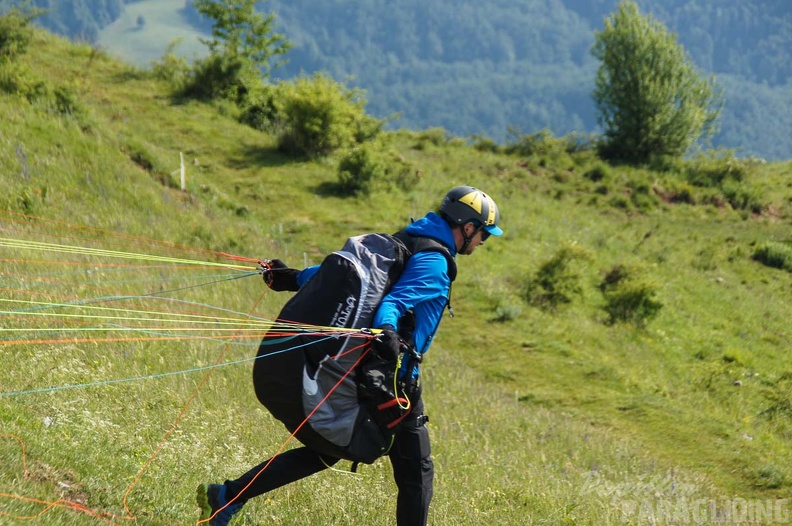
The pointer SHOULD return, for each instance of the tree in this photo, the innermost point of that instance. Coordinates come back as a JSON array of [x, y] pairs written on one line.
[[241, 50], [651, 99]]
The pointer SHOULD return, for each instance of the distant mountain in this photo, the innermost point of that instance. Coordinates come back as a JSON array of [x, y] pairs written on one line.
[[77, 19], [478, 68]]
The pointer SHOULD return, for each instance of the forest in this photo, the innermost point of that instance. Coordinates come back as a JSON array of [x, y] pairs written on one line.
[[503, 67]]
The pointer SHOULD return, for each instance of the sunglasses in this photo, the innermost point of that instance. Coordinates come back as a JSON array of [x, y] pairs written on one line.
[[480, 228]]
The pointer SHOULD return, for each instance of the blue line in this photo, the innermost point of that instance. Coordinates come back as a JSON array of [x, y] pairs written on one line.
[[161, 375]]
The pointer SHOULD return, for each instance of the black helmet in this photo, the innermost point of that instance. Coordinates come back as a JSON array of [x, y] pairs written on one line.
[[464, 204]]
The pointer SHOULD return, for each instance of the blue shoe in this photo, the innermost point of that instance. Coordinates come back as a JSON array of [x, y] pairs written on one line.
[[211, 497]]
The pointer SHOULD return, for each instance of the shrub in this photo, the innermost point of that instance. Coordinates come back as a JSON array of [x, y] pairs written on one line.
[[542, 144], [775, 255], [16, 32], [684, 193], [730, 176], [220, 77], [712, 169], [317, 115], [359, 168], [598, 172], [367, 166], [630, 296], [641, 195], [507, 311], [61, 99], [402, 172], [433, 136], [172, 68], [260, 110], [741, 196], [485, 144], [557, 281]]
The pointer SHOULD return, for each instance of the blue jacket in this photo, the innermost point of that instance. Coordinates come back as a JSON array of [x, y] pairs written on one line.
[[423, 287]]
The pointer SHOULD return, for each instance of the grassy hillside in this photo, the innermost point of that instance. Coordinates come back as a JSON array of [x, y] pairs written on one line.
[[538, 415]]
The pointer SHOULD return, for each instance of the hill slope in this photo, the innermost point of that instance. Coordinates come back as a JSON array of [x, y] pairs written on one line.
[[539, 416]]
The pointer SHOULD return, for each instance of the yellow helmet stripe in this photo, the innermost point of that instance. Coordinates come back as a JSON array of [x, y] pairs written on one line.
[[490, 210], [473, 200]]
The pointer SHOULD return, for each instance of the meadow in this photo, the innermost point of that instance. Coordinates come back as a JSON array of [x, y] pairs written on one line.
[[544, 408]]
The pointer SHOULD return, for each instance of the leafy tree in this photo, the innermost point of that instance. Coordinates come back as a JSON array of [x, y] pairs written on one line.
[[651, 99], [242, 47]]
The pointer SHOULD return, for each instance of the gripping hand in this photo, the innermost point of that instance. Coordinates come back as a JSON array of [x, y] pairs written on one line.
[[278, 276], [388, 345]]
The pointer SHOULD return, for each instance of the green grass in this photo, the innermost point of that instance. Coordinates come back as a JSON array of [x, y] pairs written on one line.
[[537, 417]]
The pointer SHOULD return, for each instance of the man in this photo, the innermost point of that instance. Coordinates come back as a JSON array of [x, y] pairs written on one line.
[[466, 218]]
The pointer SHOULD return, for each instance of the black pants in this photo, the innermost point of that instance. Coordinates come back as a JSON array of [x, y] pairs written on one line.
[[413, 471]]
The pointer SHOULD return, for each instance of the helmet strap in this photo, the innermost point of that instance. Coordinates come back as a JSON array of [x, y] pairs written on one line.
[[468, 238]]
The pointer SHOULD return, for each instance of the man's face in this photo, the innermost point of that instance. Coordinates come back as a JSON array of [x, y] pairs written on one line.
[[478, 238]]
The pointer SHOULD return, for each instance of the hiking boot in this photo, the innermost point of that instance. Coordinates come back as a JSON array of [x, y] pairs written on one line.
[[212, 497]]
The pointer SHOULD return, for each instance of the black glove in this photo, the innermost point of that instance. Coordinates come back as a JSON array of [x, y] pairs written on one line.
[[278, 276], [388, 345]]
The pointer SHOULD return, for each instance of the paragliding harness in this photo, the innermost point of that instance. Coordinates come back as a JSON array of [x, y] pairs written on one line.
[[334, 394]]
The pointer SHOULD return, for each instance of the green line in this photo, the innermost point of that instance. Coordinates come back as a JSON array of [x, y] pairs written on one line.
[[185, 317], [153, 376], [67, 249]]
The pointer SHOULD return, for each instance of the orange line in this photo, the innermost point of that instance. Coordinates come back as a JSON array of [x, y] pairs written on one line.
[[189, 402], [294, 434], [25, 219], [137, 339]]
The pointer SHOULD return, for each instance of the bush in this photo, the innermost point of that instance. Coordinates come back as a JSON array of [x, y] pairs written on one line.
[[722, 171], [557, 282], [641, 195], [16, 33], [776, 255], [220, 77], [485, 144], [507, 311], [432, 136], [172, 68], [61, 99], [542, 144], [741, 196], [630, 296], [317, 115], [682, 193], [598, 172], [712, 169], [260, 109], [359, 168], [367, 166]]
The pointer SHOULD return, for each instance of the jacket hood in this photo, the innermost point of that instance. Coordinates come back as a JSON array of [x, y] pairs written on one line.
[[435, 227]]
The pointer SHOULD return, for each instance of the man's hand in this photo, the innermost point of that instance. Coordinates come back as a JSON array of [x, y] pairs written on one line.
[[387, 344], [278, 276]]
